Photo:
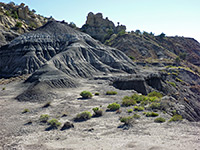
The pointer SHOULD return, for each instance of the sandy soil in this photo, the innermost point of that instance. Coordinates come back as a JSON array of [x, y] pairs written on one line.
[[96, 133]]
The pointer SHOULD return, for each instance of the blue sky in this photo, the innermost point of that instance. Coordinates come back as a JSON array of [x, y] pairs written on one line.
[[173, 17]]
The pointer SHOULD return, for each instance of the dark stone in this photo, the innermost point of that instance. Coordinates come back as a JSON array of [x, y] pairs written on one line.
[[67, 125], [137, 84]]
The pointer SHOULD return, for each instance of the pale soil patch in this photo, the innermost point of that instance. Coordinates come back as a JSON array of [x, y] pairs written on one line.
[[96, 133]]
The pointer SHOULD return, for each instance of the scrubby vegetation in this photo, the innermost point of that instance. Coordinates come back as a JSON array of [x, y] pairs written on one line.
[[97, 112], [136, 116], [111, 93], [176, 118], [127, 120], [113, 106], [151, 114], [54, 123], [83, 116], [154, 105], [44, 118], [138, 108], [86, 94], [155, 94], [159, 120], [129, 110], [128, 101], [141, 99]]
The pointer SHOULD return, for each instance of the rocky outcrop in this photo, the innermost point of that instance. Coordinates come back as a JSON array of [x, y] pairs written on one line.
[[100, 28], [143, 83], [16, 20], [182, 89], [147, 46]]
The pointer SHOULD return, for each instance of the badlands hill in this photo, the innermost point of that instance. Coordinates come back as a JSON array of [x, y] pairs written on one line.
[[135, 105]]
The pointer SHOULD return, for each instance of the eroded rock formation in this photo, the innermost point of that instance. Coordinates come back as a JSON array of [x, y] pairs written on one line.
[[16, 20], [100, 28]]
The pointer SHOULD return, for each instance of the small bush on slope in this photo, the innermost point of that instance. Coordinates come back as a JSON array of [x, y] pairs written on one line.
[[83, 116], [113, 106], [86, 94]]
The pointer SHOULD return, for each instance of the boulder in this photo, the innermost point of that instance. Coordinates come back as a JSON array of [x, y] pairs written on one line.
[[67, 125]]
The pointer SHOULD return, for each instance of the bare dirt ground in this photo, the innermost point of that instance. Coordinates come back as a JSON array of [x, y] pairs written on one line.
[[96, 133]]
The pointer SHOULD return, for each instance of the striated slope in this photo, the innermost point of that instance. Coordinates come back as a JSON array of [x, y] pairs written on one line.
[[70, 51], [55, 55]]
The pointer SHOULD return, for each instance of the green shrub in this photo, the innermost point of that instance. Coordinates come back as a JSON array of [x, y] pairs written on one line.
[[97, 112], [128, 101], [153, 99], [130, 110], [97, 93], [176, 118], [44, 118], [54, 123], [113, 106], [25, 110], [83, 116], [3, 88], [111, 93], [159, 120], [86, 94], [151, 114], [138, 98], [136, 116], [155, 94], [154, 105], [138, 108], [127, 120], [18, 25]]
